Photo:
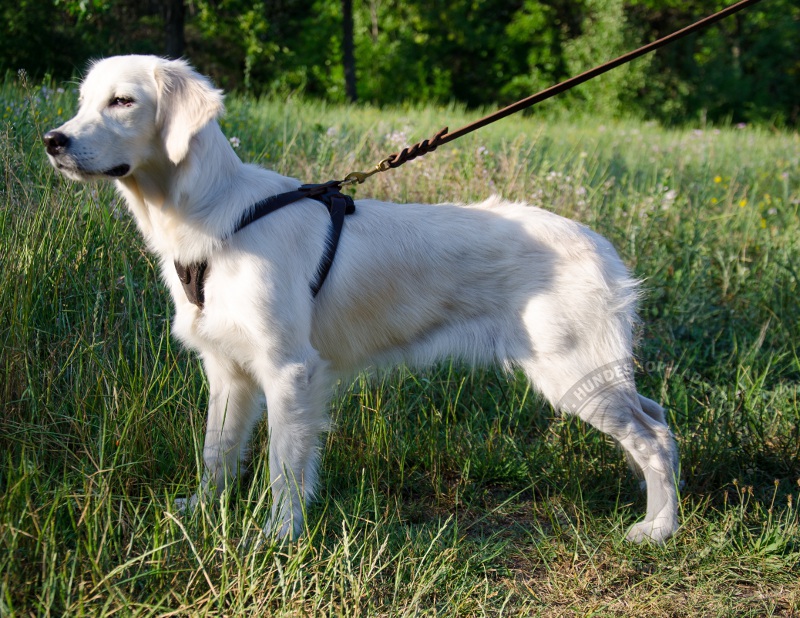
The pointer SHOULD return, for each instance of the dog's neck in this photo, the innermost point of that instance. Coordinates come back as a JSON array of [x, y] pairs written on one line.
[[185, 210]]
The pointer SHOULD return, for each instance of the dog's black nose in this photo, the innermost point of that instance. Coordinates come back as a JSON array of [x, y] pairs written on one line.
[[55, 142]]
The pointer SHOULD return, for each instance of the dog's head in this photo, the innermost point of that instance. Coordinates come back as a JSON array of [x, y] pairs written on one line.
[[133, 110]]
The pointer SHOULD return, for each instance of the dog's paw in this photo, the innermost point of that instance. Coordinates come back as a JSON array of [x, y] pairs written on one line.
[[655, 531], [186, 505]]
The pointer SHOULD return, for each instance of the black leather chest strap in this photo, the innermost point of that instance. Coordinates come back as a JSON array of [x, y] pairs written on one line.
[[329, 194]]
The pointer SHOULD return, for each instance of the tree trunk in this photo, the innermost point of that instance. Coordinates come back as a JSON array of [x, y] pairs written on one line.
[[174, 12], [348, 57]]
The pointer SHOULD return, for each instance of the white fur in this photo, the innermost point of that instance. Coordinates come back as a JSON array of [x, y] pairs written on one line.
[[495, 282]]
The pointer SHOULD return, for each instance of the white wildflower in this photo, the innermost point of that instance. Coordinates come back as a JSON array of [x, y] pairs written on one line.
[[668, 198], [397, 139]]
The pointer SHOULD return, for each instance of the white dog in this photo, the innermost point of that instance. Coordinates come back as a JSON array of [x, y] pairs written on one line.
[[494, 282]]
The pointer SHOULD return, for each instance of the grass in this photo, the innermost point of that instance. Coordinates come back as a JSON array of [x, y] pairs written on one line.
[[449, 491]]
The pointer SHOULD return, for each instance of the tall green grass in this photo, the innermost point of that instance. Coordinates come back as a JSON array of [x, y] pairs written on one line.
[[450, 491]]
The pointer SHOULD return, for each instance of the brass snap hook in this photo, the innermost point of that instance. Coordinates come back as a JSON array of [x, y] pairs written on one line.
[[354, 178]]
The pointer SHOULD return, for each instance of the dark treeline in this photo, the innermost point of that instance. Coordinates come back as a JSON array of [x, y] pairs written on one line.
[[479, 52]]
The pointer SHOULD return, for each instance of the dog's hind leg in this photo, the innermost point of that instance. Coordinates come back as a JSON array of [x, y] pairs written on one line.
[[606, 398], [649, 445], [235, 406], [297, 395]]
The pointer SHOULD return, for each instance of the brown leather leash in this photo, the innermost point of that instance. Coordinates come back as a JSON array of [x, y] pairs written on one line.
[[443, 136]]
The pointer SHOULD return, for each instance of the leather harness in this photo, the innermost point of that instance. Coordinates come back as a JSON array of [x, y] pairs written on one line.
[[329, 193]]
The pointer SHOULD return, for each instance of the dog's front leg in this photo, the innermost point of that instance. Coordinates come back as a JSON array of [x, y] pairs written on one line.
[[234, 407], [297, 395]]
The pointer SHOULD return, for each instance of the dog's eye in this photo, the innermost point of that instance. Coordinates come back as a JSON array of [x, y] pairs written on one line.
[[121, 102]]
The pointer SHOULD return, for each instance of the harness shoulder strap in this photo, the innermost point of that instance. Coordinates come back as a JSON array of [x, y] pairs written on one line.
[[268, 206], [329, 194]]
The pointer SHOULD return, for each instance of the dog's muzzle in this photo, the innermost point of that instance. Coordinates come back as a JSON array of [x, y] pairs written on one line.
[[56, 143]]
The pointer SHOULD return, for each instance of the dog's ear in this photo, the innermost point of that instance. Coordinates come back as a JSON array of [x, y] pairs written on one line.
[[187, 101]]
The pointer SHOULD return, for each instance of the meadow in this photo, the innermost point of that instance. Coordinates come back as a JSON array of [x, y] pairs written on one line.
[[445, 491]]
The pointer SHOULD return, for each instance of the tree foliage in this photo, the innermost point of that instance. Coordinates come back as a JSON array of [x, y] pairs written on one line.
[[481, 53]]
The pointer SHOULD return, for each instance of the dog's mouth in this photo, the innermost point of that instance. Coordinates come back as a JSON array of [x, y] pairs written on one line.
[[71, 169], [118, 171]]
